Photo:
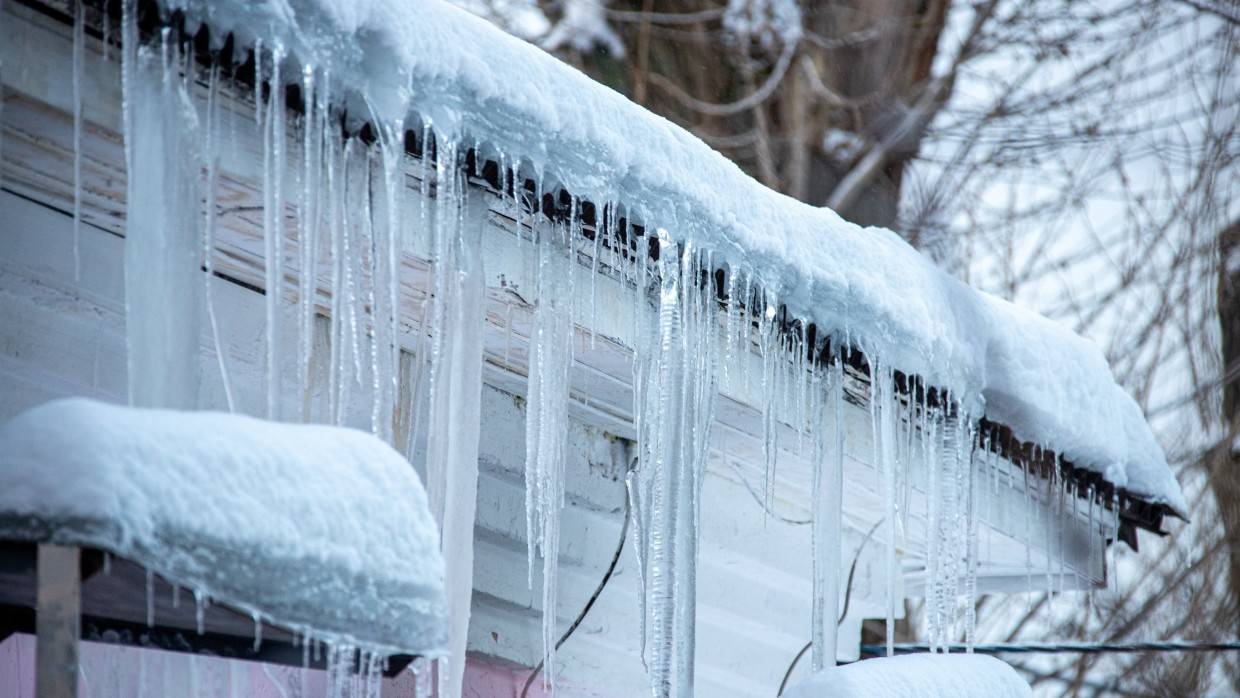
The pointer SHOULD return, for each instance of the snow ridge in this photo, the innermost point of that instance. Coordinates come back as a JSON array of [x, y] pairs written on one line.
[[469, 78]]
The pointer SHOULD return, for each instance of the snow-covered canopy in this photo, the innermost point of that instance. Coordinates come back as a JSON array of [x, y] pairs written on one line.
[[434, 61], [916, 676], [319, 528]]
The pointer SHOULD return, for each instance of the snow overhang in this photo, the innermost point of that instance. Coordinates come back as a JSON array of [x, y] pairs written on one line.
[[1047, 394], [320, 530], [406, 63]]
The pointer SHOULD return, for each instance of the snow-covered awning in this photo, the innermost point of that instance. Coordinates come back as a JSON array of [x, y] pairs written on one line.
[[916, 676], [320, 529], [431, 61]]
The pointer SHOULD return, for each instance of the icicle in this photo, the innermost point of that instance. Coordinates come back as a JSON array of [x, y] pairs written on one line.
[[162, 245], [258, 631], [79, 47], [730, 333], [208, 238], [1027, 504], [639, 547], [828, 487], [129, 63], [387, 272], [1092, 529], [373, 294], [273, 217], [1062, 519], [200, 609], [307, 645], [517, 196], [600, 224], [258, 83], [1051, 498], [373, 675], [745, 314], [455, 398], [150, 599], [176, 596], [881, 383], [768, 338], [337, 229], [930, 451], [307, 227], [422, 677], [106, 29], [674, 389], [546, 426], [971, 562]]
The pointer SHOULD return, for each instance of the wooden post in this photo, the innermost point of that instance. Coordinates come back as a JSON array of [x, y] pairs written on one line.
[[58, 621]]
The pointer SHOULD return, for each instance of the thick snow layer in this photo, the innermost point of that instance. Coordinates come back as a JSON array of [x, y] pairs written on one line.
[[314, 527], [472, 80], [916, 676]]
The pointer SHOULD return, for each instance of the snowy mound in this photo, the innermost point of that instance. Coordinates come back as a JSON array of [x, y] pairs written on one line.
[[916, 676], [314, 527], [472, 81]]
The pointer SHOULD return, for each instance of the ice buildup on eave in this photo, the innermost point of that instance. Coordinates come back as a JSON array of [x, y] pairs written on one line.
[[471, 80]]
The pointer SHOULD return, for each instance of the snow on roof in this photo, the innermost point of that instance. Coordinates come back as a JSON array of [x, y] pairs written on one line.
[[314, 527], [470, 79], [916, 676]]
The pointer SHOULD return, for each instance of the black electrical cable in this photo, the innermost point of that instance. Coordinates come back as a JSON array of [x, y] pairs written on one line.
[[852, 569], [1064, 647], [611, 568]]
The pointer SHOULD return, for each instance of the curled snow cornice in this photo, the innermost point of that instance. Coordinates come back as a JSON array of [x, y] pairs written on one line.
[[430, 60]]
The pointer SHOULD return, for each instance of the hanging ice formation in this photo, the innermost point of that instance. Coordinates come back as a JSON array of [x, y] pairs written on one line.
[[79, 48], [332, 222], [331, 211], [546, 427], [674, 398], [161, 138], [827, 493], [455, 395]]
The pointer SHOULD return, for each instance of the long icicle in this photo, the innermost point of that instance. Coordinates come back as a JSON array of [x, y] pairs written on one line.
[[307, 240], [455, 402], [273, 223], [79, 48], [547, 395], [208, 233], [881, 388], [674, 390], [832, 530]]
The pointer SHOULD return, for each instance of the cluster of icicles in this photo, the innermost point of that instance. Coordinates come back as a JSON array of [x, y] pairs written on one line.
[[180, 122], [406, 364], [351, 671]]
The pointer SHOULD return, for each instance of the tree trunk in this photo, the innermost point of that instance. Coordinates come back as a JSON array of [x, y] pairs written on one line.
[[1225, 464]]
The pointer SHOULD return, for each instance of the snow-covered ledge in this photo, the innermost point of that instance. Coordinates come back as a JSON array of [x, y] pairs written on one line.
[[318, 529]]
